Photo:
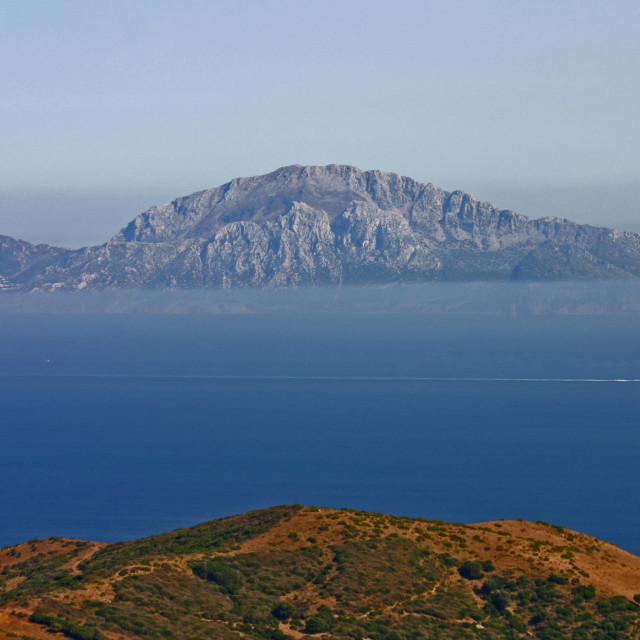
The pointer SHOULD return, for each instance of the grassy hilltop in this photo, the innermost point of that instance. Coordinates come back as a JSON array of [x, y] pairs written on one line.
[[295, 572]]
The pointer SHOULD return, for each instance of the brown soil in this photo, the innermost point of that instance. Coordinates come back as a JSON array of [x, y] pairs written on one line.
[[14, 623], [522, 547], [518, 545]]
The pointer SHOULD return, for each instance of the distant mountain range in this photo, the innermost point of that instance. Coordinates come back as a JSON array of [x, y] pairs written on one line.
[[314, 225], [295, 572]]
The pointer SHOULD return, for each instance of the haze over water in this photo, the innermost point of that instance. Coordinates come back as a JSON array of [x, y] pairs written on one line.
[[119, 426]]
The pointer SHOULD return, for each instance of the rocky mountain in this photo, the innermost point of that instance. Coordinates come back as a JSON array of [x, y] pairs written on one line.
[[299, 572], [325, 225]]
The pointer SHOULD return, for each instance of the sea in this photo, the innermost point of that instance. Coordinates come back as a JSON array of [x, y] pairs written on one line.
[[115, 426]]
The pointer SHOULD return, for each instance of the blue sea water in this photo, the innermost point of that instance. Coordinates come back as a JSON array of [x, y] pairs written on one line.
[[120, 426]]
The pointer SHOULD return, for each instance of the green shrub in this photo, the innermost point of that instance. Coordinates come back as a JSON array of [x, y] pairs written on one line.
[[284, 610], [584, 592], [518, 624], [500, 600], [492, 584], [218, 571], [471, 571], [321, 622], [70, 629], [617, 603]]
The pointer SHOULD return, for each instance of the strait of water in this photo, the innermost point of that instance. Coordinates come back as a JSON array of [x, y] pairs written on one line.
[[119, 426]]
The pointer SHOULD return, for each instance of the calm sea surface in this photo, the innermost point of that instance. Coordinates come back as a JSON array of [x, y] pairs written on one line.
[[120, 426]]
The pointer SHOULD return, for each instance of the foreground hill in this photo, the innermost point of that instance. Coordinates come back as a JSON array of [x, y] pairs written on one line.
[[297, 572], [325, 225]]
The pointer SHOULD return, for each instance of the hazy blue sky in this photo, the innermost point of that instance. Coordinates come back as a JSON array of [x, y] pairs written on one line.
[[109, 107]]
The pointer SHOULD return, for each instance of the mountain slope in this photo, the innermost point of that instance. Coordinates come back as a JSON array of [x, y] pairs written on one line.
[[297, 572], [325, 225]]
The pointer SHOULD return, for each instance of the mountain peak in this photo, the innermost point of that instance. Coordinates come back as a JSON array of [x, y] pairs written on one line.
[[233, 235]]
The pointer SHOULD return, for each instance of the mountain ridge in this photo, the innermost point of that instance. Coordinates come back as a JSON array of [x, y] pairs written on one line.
[[312, 225]]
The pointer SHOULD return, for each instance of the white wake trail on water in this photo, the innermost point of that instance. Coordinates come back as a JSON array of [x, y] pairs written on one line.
[[316, 378]]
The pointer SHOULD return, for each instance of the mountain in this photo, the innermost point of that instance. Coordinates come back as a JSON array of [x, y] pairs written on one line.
[[324, 225], [295, 572]]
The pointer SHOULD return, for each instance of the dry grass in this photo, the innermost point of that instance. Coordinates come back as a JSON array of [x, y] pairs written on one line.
[[515, 548]]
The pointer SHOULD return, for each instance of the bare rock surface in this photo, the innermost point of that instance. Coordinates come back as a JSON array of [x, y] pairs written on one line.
[[300, 226]]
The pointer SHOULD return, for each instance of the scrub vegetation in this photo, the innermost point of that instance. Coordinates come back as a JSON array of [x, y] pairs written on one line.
[[294, 572]]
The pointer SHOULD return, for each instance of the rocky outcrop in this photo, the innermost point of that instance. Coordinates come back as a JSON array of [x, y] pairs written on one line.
[[325, 225]]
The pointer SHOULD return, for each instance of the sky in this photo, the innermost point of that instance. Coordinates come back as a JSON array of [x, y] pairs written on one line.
[[109, 107]]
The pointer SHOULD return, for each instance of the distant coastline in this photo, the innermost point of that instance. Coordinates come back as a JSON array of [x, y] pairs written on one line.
[[485, 298]]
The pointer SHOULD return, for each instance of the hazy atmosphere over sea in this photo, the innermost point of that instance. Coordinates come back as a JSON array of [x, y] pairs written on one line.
[[110, 108]]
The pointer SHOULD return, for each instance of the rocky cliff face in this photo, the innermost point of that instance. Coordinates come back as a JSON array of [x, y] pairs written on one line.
[[325, 225]]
